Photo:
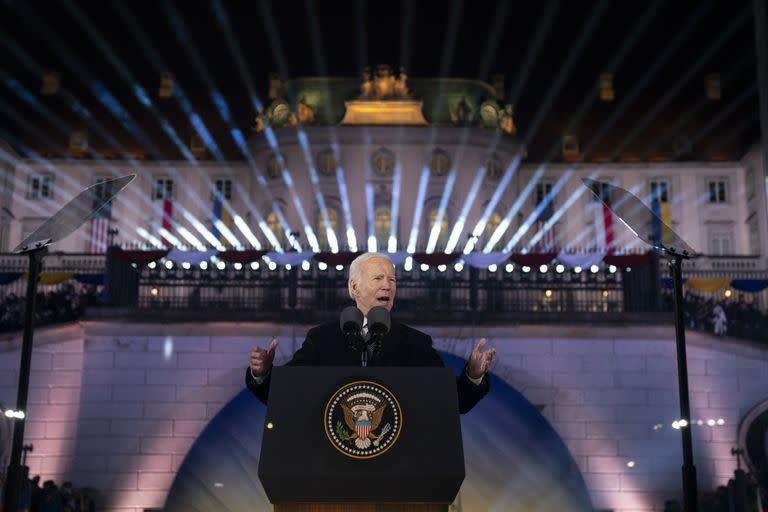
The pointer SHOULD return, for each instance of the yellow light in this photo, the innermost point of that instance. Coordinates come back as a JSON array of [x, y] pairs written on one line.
[[631, 464], [154, 292], [548, 293], [270, 425], [728, 293], [605, 293]]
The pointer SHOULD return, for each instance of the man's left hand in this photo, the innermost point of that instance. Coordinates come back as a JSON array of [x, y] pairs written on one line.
[[480, 360]]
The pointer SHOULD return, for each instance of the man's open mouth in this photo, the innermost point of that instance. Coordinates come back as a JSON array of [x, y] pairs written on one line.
[[383, 300]]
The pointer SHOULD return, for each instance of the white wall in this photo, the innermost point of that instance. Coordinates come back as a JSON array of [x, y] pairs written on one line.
[[116, 408]]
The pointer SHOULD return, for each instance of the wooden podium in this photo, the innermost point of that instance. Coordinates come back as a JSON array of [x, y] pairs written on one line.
[[315, 457]]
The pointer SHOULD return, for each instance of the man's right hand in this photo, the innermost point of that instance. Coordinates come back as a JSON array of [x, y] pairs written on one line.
[[261, 360]]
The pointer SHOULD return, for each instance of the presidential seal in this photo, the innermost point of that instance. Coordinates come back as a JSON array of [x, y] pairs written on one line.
[[363, 420]]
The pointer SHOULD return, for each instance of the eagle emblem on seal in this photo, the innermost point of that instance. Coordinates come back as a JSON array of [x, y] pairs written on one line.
[[363, 419]]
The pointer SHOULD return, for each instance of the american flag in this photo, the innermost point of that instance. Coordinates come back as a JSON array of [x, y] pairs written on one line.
[[98, 231]]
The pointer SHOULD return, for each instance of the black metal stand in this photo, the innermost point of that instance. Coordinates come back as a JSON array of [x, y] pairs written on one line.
[[15, 468], [690, 493]]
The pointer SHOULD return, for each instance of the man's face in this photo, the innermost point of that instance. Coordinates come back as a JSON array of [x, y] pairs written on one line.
[[377, 285]]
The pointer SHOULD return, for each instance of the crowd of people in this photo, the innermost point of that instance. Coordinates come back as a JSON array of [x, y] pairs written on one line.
[[52, 498], [62, 305], [734, 317]]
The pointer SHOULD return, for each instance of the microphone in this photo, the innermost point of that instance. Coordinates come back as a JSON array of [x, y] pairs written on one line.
[[351, 321], [378, 321]]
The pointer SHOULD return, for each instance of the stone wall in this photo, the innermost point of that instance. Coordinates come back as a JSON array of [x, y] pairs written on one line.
[[116, 407]]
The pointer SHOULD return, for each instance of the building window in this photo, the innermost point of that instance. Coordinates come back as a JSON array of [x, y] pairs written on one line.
[[493, 168], [275, 166], [439, 164], [163, 188], [382, 227], [40, 187], [326, 163], [712, 86], [721, 244], [601, 192], [570, 147], [197, 145], [223, 188], [754, 236], [273, 223], [660, 191], [383, 162], [333, 220], [606, 87], [542, 189], [442, 238], [493, 223], [718, 191]]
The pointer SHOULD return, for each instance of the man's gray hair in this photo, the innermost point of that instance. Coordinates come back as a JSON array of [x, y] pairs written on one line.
[[354, 268]]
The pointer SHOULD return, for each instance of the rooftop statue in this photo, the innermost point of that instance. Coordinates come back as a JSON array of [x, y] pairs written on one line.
[[383, 85]]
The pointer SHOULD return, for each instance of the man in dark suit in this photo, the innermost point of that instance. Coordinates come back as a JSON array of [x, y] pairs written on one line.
[[372, 283]]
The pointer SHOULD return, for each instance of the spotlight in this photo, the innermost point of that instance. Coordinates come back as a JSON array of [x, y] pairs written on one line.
[[509, 267], [631, 464], [559, 269], [683, 423], [676, 425], [543, 269], [169, 264], [711, 422], [577, 270], [720, 421], [152, 264], [442, 268], [305, 266], [594, 269], [492, 268], [288, 266], [424, 267], [628, 269], [526, 268], [699, 422], [548, 293], [254, 265], [605, 293], [612, 269], [186, 265], [728, 293], [408, 264], [19, 415], [238, 266], [221, 265], [203, 265], [272, 265], [322, 265], [458, 267], [154, 292], [339, 267]]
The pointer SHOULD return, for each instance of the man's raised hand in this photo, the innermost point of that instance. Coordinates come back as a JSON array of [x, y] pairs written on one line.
[[480, 361], [261, 360]]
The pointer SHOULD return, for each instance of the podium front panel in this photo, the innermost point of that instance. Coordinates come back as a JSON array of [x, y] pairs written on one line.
[[300, 463]]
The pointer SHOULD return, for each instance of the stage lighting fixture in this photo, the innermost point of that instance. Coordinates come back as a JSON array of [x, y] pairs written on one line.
[[424, 267], [322, 265], [509, 267], [186, 265], [577, 270], [169, 264], [272, 265], [154, 292], [204, 265], [305, 266], [238, 266], [543, 269], [560, 268], [442, 268], [594, 269], [221, 265], [339, 267], [526, 268], [548, 293], [288, 266], [152, 265], [458, 267], [612, 269], [254, 265], [492, 268]]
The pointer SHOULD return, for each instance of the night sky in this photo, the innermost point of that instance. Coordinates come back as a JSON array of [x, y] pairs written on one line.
[[89, 42]]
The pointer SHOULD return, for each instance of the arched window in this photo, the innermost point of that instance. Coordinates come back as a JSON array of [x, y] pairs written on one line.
[[493, 168], [439, 164], [383, 162], [326, 163], [333, 219], [273, 223], [490, 227], [442, 238], [275, 166], [383, 227]]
